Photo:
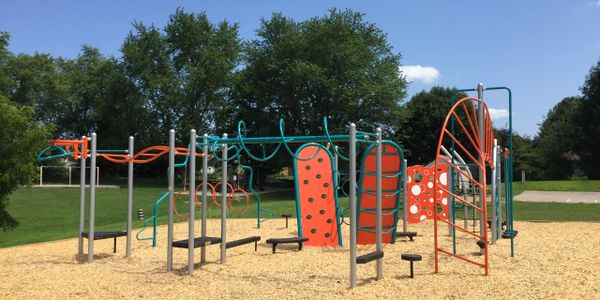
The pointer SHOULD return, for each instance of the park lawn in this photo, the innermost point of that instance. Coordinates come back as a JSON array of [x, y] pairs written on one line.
[[47, 214], [557, 185], [53, 213]]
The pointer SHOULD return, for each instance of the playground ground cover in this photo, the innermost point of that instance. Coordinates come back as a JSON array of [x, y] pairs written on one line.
[[548, 264], [53, 213]]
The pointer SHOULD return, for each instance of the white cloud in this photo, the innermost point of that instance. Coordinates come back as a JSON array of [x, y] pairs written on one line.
[[420, 73], [498, 113], [595, 3]]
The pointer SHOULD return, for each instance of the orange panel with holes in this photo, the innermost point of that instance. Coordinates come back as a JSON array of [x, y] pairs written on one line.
[[420, 192], [315, 195]]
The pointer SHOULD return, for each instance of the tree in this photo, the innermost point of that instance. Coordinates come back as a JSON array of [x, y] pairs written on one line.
[[338, 66], [419, 131], [557, 139], [20, 138], [589, 124], [184, 76]]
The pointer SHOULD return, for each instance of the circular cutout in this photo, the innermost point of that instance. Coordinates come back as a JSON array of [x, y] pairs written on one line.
[[323, 196], [308, 217], [311, 199], [320, 159], [306, 181], [322, 211], [418, 177], [325, 185], [416, 190], [327, 235], [329, 221], [313, 230], [414, 209], [444, 178], [319, 176], [307, 167]]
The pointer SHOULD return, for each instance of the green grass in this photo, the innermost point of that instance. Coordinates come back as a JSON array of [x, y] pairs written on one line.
[[562, 185], [53, 213]]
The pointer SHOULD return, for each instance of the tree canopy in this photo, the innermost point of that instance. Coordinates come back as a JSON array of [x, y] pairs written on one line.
[[337, 66], [589, 123]]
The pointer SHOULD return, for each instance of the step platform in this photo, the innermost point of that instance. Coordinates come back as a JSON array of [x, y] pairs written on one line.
[[369, 257], [198, 242], [101, 235], [276, 241]]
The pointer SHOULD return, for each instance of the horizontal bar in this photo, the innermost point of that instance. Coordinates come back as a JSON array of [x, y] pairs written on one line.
[[461, 228], [460, 257], [288, 139], [461, 199]]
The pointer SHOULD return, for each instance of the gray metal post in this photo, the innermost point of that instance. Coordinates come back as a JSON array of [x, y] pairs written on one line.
[[129, 196], [82, 159], [522, 176], [92, 200], [378, 229], [499, 184], [494, 193], [482, 222], [451, 218], [224, 202], [171, 179], [405, 201], [192, 189], [352, 161], [204, 192]]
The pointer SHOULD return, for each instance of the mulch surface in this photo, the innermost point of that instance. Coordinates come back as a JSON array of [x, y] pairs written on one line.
[[552, 261]]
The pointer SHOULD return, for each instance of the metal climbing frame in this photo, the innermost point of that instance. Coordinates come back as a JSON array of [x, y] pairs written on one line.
[[509, 233], [474, 139]]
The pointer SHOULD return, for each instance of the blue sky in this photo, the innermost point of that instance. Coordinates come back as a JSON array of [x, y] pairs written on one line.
[[542, 50]]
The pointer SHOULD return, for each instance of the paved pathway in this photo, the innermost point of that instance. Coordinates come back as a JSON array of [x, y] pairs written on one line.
[[562, 197]]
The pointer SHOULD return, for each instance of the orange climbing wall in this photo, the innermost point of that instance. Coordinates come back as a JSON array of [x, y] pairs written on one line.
[[420, 193], [316, 198], [391, 164]]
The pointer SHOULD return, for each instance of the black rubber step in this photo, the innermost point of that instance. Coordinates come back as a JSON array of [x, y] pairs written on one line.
[[508, 235], [411, 257], [363, 259], [244, 241], [198, 242], [100, 235]]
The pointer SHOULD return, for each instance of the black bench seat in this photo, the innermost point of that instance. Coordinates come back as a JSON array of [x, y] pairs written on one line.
[[408, 234], [198, 242], [101, 235], [292, 240], [363, 259], [248, 240]]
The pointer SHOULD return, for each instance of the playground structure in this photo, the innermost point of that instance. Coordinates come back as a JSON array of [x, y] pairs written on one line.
[[381, 186]]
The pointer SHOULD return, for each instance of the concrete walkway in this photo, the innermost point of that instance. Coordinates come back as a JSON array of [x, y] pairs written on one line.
[[561, 197]]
